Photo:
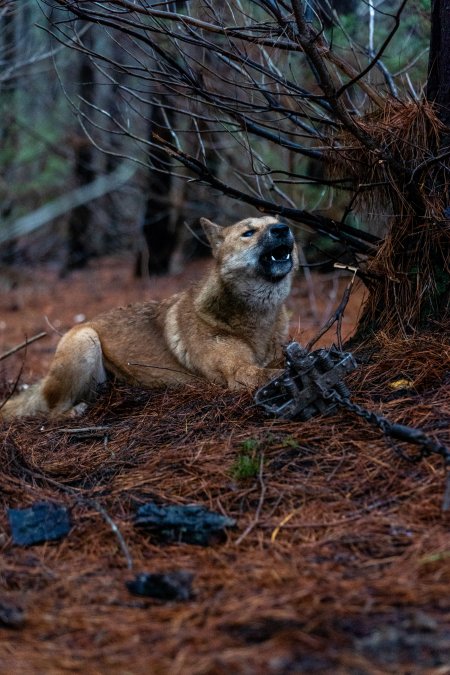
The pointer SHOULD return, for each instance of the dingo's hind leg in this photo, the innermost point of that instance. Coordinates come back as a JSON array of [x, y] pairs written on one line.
[[75, 373]]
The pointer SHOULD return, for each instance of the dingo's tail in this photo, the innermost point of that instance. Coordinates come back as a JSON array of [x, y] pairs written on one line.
[[29, 402]]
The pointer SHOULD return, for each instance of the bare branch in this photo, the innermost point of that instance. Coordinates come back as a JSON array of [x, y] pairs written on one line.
[[376, 58], [318, 223]]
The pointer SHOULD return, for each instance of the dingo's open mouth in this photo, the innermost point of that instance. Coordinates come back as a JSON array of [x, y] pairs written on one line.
[[278, 254], [276, 261]]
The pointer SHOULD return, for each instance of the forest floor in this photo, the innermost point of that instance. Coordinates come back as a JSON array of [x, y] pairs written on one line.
[[340, 558]]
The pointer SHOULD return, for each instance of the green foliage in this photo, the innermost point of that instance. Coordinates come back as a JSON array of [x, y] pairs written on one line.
[[30, 158], [35, 116], [248, 461], [246, 464], [291, 442], [250, 445], [411, 38]]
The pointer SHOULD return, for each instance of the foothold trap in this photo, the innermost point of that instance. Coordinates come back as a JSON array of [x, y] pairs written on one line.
[[301, 391], [312, 384]]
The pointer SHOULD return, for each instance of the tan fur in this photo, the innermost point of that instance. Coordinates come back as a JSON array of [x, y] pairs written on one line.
[[227, 329]]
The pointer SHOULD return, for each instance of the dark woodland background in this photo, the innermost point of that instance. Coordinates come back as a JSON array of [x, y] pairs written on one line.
[[122, 125]]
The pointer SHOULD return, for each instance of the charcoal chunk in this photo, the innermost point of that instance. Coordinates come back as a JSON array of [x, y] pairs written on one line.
[[191, 524], [44, 521], [11, 616], [176, 585]]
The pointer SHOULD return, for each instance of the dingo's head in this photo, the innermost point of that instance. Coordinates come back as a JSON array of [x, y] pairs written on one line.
[[255, 255]]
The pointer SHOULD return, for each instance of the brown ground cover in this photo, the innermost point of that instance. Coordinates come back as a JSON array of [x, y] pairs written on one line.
[[340, 558]]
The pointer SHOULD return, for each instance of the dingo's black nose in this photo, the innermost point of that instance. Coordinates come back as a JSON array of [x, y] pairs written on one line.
[[279, 230]]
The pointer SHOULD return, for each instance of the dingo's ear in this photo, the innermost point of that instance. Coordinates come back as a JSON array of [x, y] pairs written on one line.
[[214, 233]]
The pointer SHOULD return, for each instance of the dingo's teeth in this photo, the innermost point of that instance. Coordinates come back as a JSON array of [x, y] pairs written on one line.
[[286, 256]]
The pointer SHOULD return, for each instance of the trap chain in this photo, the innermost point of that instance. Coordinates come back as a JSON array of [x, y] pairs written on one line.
[[313, 384]]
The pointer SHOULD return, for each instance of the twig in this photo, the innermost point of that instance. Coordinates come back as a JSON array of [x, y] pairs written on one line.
[[19, 374], [15, 385], [376, 57], [262, 495], [49, 323], [22, 345], [87, 432], [336, 317], [116, 531]]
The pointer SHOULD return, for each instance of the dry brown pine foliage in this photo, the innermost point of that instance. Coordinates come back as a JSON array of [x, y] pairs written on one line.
[[340, 562], [409, 131], [407, 270]]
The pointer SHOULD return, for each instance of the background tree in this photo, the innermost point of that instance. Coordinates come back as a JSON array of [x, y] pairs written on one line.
[[285, 107], [41, 140], [280, 93], [79, 225]]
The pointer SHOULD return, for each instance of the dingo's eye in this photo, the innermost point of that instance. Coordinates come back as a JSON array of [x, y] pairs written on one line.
[[248, 233]]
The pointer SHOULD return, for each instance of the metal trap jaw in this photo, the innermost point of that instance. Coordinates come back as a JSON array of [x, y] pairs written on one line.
[[309, 385], [312, 384]]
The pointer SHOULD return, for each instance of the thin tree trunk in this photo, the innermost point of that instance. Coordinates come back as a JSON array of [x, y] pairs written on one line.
[[438, 85], [158, 227], [8, 129], [79, 250]]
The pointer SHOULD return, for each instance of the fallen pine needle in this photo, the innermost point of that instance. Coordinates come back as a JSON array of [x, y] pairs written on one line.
[[285, 520]]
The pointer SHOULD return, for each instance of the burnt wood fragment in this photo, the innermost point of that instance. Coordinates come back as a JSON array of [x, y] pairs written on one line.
[[190, 524], [44, 521]]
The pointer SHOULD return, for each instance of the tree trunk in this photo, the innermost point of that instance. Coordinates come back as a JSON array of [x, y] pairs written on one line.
[[158, 227], [8, 130], [438, 85], [438, 93], [78, 248]]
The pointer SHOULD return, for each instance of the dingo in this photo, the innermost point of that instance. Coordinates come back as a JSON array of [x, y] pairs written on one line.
[[228, 329]]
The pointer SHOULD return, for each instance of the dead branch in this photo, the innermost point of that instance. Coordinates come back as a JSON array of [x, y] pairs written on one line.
[[22, 345], [335, 318]]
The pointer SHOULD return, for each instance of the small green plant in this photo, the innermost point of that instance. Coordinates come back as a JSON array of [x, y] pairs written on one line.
[[246, 464], [290, 442], [250, 445]]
